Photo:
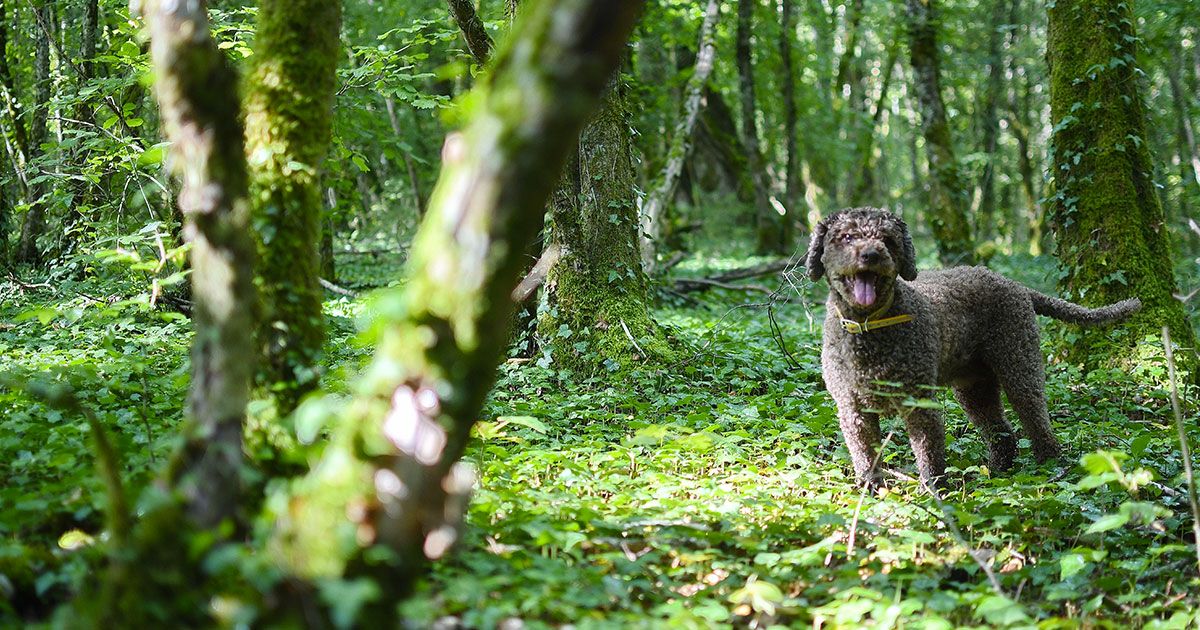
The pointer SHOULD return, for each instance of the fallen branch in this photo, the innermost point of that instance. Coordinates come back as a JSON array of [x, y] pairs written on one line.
[[700, 284], [722, 280], [336, 289]]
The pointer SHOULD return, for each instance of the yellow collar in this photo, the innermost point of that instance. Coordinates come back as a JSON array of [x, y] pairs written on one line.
[[870, 323]]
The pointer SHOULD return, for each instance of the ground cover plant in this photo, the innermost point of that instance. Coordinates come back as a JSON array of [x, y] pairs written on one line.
[[717, 491], [470, 314]]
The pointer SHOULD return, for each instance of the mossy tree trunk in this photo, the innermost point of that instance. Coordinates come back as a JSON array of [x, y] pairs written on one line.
[[947, 194], [159, 580], [289, 112], [390, 485], [597, 293], [1105, 212]]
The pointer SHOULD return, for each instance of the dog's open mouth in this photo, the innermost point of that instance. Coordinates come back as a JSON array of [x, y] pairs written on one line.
[[862, 287]]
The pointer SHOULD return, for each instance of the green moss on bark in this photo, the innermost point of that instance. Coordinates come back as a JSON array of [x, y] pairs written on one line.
[[1106, 214], [288, 127], [597, 293]]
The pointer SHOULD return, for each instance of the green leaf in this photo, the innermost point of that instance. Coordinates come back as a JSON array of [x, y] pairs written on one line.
[[1106, 523]]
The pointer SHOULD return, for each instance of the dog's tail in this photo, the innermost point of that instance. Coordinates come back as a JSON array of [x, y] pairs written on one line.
[[1070, 312]]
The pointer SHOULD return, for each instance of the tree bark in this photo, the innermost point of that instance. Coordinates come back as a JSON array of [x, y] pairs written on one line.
[[862, 178], [947, 195], [34, 224], [391, 477], [479, 43], [1109, 224], [794, 188], [12, 123], [989, 122], [196, 91], [681, 142], [770, 236], [289, 118], [598, 290]]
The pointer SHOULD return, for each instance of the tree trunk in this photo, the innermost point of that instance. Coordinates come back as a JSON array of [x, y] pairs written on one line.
[[391, 477], [289, 117], [770, 236], [989, 123], [414, 181], [793, 187], [1109, 224], [35, 218], [863, 188], [1189, 158], [479, 43], [598, 289], [947, 195], [653, 209], [12, 124]]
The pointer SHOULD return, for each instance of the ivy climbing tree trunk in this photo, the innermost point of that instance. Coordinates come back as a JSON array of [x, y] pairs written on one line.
[[289, 118], [770, 229], [653, 209], [947, 195], [1105, 213], [597, 291], [390, 482]]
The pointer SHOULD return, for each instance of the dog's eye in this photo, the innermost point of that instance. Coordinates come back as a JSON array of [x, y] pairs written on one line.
[[846, 238]]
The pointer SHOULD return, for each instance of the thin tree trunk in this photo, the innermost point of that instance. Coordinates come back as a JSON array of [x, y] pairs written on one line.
[[35, 218], [794, 189], [769, 235], [947, 195], [391, 471], [862, 178], [681, 142], [413, 180], [289, 121], [11, 123], [989, 122], [1186, 133], [1112, 238]]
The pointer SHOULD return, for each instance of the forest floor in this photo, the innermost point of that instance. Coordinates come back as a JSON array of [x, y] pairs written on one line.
[[709, 491]]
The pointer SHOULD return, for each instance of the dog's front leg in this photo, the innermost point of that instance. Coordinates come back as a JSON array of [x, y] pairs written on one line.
[[927, 435], [860, 429]]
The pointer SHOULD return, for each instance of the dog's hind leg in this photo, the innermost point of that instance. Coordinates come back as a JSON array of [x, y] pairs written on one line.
[[1023, 378], [980, 399]]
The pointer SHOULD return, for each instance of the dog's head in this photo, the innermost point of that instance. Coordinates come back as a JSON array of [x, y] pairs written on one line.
[[861, 250]]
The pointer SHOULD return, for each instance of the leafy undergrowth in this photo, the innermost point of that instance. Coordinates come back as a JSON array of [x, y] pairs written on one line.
[[715, 490]]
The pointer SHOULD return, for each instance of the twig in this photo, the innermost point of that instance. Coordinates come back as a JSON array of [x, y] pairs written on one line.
[[632, 340], [699, 284], [336, 289], [108, 464], [1183, 445], [947, 518], [850, 537]]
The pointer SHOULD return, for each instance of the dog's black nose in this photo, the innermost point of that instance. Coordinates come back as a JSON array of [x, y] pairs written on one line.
[[870, 256]]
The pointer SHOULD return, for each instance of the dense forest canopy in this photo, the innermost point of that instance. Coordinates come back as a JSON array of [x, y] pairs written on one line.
[[483, 313]]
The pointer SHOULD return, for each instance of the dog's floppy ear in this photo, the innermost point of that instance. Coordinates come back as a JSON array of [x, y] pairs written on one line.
[[816, 249], [907, 265]]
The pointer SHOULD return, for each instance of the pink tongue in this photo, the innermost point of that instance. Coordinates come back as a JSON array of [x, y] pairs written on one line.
[[864, 290]]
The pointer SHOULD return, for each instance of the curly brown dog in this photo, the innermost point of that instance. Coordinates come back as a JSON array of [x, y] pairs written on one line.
[[891, 334]]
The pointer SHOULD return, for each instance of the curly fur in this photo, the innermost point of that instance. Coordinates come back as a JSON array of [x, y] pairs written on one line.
[[972, 329]]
